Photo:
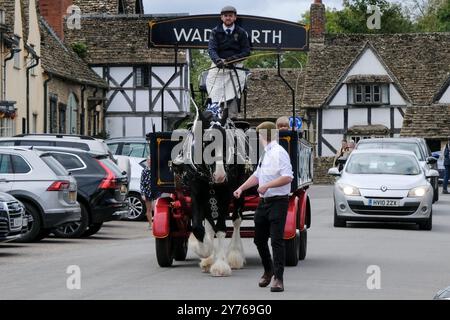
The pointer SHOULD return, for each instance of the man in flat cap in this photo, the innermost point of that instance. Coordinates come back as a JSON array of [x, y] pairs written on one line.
[[228, 46], [273, 176]]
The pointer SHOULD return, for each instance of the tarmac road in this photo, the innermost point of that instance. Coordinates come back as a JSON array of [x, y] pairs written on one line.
[[120, 263]]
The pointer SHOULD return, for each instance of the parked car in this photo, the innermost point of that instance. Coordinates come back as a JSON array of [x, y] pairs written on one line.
[[137, 206], [416, 145], [440, 165], [58, 140], [383, 185], [47, 190], [136, 147], [12, 218], [101, 190]]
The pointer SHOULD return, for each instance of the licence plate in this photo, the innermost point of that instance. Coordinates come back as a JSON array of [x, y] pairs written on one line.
[[24, 222], [383, 203], [123, 189], [17, 222], [73, 196]]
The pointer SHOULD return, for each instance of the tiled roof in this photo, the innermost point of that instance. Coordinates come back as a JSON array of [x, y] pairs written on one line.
[[61, 61], [269, 97], [119, 39], [420, 63], [432, 122]]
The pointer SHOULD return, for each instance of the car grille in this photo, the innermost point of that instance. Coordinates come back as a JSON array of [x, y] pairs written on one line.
[[7, 221], [406, 210]]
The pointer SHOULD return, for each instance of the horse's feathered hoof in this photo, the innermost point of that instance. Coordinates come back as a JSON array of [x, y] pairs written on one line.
[[202, 249], [220, 269], [235, 259], [205, 264]]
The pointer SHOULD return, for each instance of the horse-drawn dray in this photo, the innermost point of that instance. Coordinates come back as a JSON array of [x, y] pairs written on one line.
[[197, 194]]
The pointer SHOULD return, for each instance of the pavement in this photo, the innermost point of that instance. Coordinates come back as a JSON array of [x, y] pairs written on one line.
[[395, 261]]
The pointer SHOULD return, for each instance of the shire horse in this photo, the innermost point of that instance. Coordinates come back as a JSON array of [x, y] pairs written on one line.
[[211, 187]]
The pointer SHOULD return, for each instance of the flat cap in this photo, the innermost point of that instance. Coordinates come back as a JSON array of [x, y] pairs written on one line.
[[228, 9]]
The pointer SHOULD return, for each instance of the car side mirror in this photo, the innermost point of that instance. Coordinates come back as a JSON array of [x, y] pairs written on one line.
[[334, 172], [432, 174], [431, 160]]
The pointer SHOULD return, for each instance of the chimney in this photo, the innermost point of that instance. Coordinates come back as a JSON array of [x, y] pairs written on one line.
[[317, 14], [53, 12]]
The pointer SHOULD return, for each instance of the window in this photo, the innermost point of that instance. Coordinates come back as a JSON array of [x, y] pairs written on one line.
[[5, 164], [113, 147], [76, 145], [121, 7], [62, 118], [53, 164], [6, 127], [368, 94], [69, 161], [17, 60], [142, 77], [20, 166], [134, 150]]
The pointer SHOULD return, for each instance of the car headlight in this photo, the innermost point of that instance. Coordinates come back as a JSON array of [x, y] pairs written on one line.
[[349, 190], [418, 192]]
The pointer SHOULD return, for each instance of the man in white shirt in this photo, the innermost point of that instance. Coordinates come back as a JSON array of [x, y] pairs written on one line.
[[274, 176]]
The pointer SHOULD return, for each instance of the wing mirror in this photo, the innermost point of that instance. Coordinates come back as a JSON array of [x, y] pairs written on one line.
[[432, 174], [334, 172], [431, 160]]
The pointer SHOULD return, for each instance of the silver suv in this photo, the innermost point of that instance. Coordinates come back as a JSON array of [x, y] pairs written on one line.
[[57, 140], [47, 190]]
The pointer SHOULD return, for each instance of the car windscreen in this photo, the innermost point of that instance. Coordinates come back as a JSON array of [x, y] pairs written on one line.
[[407, 146], [378, 163]]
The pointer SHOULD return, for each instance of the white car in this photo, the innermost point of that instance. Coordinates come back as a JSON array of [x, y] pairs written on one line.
[[383, 185]]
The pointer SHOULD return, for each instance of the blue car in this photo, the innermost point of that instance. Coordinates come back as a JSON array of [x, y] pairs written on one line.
[[440, 163]]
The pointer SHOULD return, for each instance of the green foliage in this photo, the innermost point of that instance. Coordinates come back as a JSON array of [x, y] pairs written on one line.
[[353, 18], [200, 62], [80, 49], [431, 15]]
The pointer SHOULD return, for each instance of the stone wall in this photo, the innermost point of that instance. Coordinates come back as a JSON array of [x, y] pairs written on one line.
[[321, 166]]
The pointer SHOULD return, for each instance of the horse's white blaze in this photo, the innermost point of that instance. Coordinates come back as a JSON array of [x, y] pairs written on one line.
[[220, 268], [235, 256]]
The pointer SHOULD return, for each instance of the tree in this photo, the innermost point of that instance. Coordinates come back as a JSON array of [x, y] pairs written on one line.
[[431, 15], [353, 18]]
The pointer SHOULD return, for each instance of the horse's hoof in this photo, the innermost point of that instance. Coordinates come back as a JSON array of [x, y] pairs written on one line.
[[220, 269], [235, 259], [205, 264]]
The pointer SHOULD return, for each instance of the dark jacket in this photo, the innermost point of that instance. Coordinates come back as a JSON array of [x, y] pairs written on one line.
[[230, 47], [446, 156]]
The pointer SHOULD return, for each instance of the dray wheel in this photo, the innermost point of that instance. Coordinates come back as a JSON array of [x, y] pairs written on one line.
[[292, 250], [164, 253], [180, 248]]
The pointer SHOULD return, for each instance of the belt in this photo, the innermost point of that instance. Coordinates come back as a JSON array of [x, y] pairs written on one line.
[[274, 198]]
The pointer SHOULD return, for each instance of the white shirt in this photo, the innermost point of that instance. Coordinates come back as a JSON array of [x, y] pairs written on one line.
[[225, 28], [276, 163]]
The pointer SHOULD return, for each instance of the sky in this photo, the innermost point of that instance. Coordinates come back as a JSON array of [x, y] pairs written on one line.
[[290, 10]]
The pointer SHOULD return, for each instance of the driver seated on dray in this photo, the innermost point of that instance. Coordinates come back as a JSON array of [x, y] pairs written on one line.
[[228, 42]]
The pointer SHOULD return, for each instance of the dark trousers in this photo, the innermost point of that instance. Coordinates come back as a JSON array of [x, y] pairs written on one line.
[[270, 219], [446, 177]]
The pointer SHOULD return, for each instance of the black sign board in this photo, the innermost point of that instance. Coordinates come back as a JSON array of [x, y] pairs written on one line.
[[191, 32]]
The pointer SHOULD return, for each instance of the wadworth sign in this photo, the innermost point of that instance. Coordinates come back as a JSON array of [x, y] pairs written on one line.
[[194, 31]]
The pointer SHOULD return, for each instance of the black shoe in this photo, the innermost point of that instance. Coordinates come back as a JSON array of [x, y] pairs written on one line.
[[277, 286], [444, 191]]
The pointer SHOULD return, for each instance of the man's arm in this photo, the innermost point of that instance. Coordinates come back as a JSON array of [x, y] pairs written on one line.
[[251, 182], [212, 47]]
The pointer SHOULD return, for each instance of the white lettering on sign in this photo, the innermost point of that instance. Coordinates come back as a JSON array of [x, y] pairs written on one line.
[[255, 36]]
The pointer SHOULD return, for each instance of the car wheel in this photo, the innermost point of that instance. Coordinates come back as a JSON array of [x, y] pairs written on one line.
[[428, 224], [93, 229], [137, 208], [339, 222], [35, 231], [74, 229]]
